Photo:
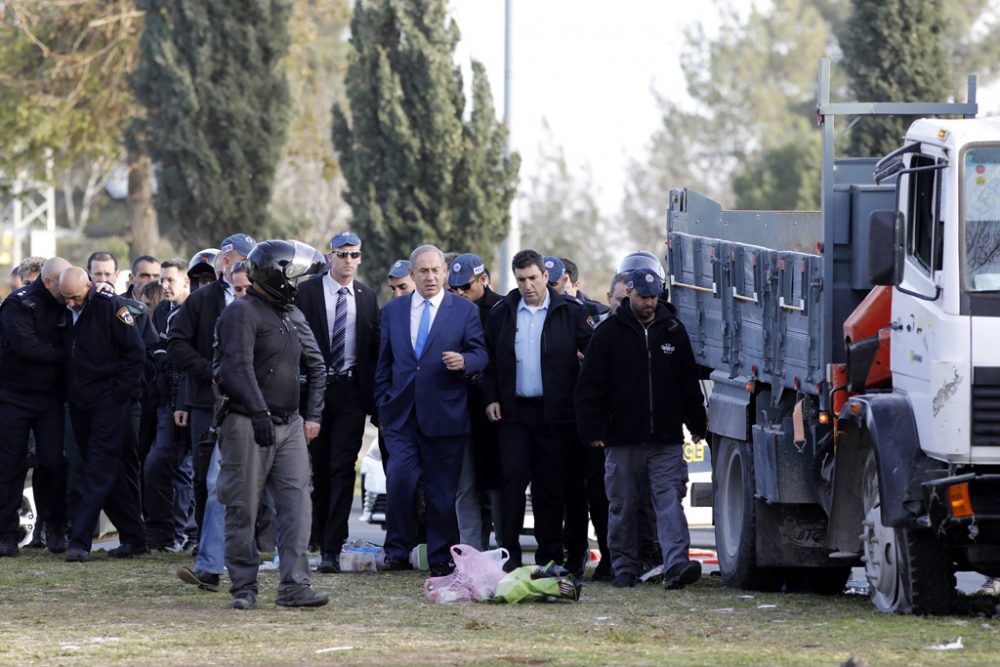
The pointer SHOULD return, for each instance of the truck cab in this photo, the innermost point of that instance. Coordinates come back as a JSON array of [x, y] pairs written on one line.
[[855, 358]]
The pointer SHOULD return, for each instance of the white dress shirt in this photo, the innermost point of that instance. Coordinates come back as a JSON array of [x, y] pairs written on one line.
[[330, 288], [417, 311]]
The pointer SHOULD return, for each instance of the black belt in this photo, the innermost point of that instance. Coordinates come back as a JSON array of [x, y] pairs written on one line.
[[534, 401], [339, 376]]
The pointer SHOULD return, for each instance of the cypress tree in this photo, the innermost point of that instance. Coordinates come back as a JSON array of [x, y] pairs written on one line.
[[417, 170], [211, 78], [894, 51]]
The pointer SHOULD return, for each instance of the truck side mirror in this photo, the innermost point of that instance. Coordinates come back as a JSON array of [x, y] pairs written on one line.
[[886, 246]]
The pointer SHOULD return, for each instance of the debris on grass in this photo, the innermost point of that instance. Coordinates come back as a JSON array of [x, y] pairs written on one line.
[[952, 646], [334, 648], [767, 606]]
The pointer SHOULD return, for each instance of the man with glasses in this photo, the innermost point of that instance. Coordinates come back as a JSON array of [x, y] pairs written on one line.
[[479, 484], [343, 314]]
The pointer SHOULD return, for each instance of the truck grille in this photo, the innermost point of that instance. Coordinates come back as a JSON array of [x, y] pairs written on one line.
[[986, 407]]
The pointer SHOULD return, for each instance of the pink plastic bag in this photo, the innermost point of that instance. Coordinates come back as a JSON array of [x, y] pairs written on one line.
[[475, 577]]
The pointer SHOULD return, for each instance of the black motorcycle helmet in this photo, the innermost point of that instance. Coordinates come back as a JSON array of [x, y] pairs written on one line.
[[276, 267], [201, 268]]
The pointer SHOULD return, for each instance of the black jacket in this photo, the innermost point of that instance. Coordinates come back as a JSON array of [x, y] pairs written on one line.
[[106, 352], [32, 360], [312, 303], [485, 434], [639, 384], [566, 330], [259, 348], [190, 340]]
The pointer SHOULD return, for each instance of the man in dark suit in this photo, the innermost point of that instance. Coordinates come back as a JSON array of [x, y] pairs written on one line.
[[431, 342], [343, 315]]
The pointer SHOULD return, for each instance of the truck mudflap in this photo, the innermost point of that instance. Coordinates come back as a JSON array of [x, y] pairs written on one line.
[[884, 423]]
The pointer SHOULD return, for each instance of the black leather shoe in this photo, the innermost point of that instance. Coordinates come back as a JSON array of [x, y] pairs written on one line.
[[442, 569], [304, 597], [602, 573], [55, 539], [330, 564], [8, 549], [128, 551], [624, 580], [206, 581], [77, 555], [681, 575], [243, 600], [396, 564]]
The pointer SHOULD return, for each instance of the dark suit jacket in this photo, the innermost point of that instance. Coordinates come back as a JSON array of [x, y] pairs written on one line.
[[404, 383], [312, 303]]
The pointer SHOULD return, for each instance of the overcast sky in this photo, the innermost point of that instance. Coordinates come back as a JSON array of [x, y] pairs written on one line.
[[588, 67]]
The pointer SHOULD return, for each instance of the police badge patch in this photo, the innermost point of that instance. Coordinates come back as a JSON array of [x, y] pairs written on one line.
[[125, 316]]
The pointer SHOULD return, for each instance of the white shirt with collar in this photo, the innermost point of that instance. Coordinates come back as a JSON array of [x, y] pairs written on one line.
[[417, 311], [227, 289], [330, 289]]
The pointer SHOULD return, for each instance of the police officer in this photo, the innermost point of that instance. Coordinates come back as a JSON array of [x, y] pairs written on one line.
[[32, 392], [168, 470], [638, 386], [261, 341], [104, 372], [478, 497], [400, 282], [190, 343], [534, 337]]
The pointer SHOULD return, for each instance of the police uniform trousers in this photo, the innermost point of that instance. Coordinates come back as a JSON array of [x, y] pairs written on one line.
[[625, 469], [533, 451], [334, 455], [246, 470], [168, 483], [21, 414], [585, 490], [438, 460], [202, 444], [101, 436]]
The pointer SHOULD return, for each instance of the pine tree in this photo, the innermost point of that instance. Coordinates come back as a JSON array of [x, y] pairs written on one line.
[[894, 51], [211, 77], [417, 170]]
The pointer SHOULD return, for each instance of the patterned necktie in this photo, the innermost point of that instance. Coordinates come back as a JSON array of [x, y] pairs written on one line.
[[338, 338], [423, 329]]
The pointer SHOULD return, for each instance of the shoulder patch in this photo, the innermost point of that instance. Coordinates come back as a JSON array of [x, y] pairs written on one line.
[[590, 320], [107, 294], [125, 315], [135, 307]]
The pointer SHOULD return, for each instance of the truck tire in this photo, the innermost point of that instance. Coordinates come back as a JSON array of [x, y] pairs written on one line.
[[736, 519], [907, 569]]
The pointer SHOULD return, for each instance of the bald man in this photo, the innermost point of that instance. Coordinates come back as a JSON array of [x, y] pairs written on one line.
[[32, 391], [104, 370]]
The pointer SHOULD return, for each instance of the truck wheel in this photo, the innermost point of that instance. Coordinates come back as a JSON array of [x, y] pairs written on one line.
[[907, 569], [736, 520]]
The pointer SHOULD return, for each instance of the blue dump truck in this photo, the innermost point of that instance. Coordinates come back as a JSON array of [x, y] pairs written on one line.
[[854, 355]]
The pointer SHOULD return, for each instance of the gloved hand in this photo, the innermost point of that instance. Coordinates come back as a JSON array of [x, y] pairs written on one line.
[[263, 429]]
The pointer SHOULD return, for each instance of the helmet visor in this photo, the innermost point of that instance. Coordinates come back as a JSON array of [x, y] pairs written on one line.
[[307, 261]]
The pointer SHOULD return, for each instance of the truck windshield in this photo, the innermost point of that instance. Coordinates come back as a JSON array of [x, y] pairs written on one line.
[[981, 212]]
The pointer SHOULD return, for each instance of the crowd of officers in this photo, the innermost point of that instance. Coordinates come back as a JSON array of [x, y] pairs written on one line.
[[219, 405]]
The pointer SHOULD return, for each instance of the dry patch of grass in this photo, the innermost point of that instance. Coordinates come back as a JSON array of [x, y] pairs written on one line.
[[136, 612]]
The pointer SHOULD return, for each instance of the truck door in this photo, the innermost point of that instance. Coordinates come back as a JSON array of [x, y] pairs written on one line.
[[930, 349]]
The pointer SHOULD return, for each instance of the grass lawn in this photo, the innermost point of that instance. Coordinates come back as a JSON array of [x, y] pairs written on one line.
[[136, 612]]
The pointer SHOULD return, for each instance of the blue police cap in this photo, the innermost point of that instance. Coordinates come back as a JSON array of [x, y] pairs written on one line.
[[400, 268], [241, 243], [645, 282], [464, 268], [555, 267], [344, 238]]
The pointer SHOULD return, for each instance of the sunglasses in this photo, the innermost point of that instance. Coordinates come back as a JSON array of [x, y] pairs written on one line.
[[344, 254], [462, 288]]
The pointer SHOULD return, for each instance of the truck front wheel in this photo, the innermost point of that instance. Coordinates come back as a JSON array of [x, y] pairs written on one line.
[[736, 519], [907, 569]]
